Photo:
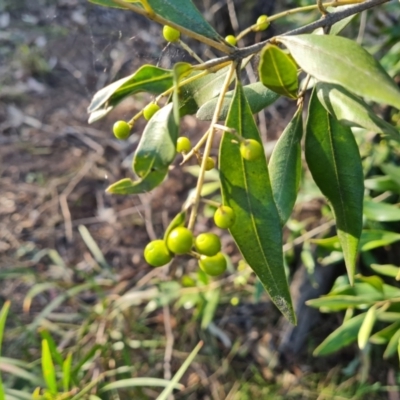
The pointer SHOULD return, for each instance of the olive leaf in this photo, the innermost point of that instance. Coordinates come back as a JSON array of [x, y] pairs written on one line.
[[155, 153], [258, 96], [278, 71], [147, 78], [351, 110], [246, 188], [285, 166], [342, 61], [334, 160]]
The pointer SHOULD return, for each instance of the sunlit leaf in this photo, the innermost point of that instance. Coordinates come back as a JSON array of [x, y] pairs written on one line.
[[384, 335], [278, 71], [341, 337], [285, 166], [66, 369], [198, 92], [366, 327], [342, 61], [154, 154], [147, 78], [334, 160], [45, 334], [392, 345], [135, 382], [48, 369], [176, 378], [351, 110], [386, 269], [257, 95], [246, 188], [382, 212], [337, 303], [382, 184], [179, 220], [371, 239]]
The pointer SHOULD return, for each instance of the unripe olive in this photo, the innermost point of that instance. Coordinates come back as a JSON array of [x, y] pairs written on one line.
[[262, 23], [157, 254], [183, 145], [180, 240], [121, 130], [150, 110], [224, 217], [231, 40], [171, 34], [214, 266], [208, 244], [250, 149]]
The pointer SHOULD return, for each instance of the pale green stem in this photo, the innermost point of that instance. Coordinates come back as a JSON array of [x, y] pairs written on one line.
[[208, 146]]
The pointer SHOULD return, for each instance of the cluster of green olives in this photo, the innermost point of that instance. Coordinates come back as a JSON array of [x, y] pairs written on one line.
[[180, 241]]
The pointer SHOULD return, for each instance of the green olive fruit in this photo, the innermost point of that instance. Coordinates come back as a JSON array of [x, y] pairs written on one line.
[[262, 23], [180, 240], [231, 40], [214, 266], [224, 217], [208, 244], [150, 110], [157, 254], [210, 164], [183, 145], [171, 34], [251, 150], [121, 130]]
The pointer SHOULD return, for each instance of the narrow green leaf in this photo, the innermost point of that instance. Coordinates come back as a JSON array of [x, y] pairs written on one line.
[[366, 327], [386, 269], [147, 78], [373, 238], [157, 147], [382, 184], [198, 92], [335, 59], [49, 372], [45, 334], [246, 188], [392, 345], [154, 154], [179, 220], [285, 166], [384, 335], [341, 337], [393, 171], [350, 110], [340, 25], [177, 377], [382, 212], [135, 382], [334, 160], [278, 71], [375, 281], [337, 303], [66, 369], [146, 184], [257, 95], [3, 317]]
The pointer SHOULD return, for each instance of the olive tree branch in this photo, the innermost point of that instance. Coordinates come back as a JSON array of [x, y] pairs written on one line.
[[324, 22]]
